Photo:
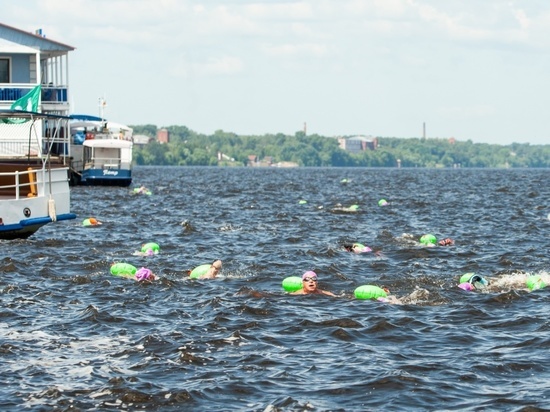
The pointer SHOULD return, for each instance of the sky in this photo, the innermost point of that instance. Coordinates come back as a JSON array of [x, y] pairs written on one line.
[[469, 69]]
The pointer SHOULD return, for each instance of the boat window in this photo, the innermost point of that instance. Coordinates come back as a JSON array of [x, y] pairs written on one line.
[[4, 70]]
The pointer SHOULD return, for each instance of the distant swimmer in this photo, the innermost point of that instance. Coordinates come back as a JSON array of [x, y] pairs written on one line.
[[126, 270], [142, 190], [309, 285], [145, 275], [341, 209], [428, 240], [382, 294], [507, 282], [471, 281], [91, 221], [213, 271], [206, 271], [357, 248]]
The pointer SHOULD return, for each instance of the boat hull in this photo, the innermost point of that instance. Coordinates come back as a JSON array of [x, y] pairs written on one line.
[[106, 177], [24, 210], [28, 227]]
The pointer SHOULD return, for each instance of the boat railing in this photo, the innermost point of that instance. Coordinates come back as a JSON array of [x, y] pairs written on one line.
[[18, 184], [50, 93], [28, 182], [13, 148]]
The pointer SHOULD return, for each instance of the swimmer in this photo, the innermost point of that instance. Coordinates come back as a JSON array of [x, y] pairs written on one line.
[[213, 271], [471, 281], [91, 221], [341, 209], [357, 248], [528, 282], [144, 275], [142, 190], [309, 286], [446, 242]]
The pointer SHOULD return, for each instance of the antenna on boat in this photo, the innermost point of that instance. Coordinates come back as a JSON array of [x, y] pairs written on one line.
[[102, 106]]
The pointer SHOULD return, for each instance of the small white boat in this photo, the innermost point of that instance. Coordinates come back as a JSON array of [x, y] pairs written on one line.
[[34, 191], [101, 152]]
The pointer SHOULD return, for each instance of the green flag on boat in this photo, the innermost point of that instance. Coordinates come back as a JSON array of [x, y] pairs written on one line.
[[28, 102]]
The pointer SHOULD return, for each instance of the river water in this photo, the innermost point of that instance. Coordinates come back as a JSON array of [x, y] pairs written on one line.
[[73, 337]]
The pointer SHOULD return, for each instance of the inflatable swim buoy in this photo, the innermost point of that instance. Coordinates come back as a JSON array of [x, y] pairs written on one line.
[[123, 269], [428, 239], [292, 283], [369, 292], [535, 282], [151, 246], [199, 271]]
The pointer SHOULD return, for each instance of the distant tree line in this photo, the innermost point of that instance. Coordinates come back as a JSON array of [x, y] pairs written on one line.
[[188, 148]]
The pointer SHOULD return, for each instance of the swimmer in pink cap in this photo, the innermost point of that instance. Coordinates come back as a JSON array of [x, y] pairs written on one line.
[[144, 275], [309, 285], [357, 248]]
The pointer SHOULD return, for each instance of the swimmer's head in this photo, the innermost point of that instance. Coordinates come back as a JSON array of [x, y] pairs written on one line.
[[144, 274], [446, 242], [360, 248], [310, 274], [476, 281], [466, 286], [217, 264]]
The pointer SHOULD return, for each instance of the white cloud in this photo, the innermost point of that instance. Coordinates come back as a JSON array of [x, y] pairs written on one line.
[[395, 60]]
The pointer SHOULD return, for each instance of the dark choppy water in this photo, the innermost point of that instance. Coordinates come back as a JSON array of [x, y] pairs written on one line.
[[75, 338]]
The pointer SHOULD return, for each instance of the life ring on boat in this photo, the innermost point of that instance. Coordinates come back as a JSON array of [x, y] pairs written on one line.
[[152, 247], [292, 283], [367, 292], [123, 269]]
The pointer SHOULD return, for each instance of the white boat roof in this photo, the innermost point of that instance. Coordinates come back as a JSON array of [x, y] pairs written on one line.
[[108, 143], [97, 124]]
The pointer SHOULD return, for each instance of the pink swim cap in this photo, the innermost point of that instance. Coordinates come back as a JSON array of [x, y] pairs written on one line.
[[144, 274], [466, 286], [309, 274]]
